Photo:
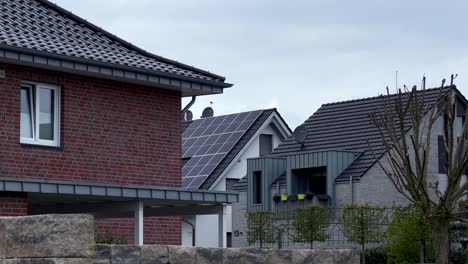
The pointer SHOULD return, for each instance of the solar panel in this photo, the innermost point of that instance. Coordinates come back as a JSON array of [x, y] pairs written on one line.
[[207, 141]]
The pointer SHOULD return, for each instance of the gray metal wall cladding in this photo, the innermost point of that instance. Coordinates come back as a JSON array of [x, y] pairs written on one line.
[[335, 162], [271, 168]]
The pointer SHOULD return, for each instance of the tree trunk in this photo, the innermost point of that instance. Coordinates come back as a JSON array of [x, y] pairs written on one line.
[[440, 228], [363, 257], [423, 251]]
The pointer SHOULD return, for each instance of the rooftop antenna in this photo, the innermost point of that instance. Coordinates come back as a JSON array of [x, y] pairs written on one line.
[[208, 112], [188, 115], [300, 135], [396, 80], [453, 77]]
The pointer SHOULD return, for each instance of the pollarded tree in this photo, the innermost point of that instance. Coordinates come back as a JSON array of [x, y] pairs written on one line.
[[406, 123], [260, 227], [311, 224], [363, 224]]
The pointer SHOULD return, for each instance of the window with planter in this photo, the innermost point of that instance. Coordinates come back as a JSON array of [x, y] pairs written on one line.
[[40, 114]]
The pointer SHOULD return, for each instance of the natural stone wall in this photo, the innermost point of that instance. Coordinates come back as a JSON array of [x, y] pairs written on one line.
[[69, 239], [107, 254], [47, 239]]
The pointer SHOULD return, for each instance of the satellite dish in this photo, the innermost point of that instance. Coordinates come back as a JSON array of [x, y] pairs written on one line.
[[300, 134], [207, 112], [188, 115]]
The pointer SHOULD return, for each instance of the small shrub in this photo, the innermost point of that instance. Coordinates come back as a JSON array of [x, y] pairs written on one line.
[[311, 224], [377, 255], [363, 224], [410, 238], [458, 256], [110, 239], [260, 228]]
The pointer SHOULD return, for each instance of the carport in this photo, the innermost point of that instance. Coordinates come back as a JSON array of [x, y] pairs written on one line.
[[116, 201]]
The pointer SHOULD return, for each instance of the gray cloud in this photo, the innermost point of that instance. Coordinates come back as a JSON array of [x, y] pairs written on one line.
[[295, 55]]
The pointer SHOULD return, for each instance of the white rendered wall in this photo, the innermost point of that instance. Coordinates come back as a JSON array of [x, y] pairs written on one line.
[[187, 231], [207, 225]]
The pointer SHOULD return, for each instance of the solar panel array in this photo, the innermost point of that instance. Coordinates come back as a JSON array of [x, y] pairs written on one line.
[[207, 141]]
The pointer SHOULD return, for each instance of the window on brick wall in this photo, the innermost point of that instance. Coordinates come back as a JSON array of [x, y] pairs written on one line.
[[40, 114]]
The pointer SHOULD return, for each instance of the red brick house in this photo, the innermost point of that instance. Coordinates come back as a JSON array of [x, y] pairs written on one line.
[[90, 123]]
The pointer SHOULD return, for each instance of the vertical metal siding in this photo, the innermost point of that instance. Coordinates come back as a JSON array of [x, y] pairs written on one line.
[[334, 161]]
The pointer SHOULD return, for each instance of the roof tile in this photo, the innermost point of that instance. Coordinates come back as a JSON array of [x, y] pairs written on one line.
[[345, 126], [42, 26]]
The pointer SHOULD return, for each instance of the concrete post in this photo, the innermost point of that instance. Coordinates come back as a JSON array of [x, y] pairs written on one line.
[[220, 229], [139, 223]]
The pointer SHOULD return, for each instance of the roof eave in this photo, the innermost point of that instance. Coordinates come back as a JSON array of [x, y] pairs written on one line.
[[188, 86]]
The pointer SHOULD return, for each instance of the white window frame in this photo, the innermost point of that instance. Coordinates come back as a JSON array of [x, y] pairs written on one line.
[[34, 86]]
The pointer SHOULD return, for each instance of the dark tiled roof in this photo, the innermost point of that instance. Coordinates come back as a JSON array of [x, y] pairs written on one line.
[[237, 148], [41, 26], [241, 185], [345, 126]]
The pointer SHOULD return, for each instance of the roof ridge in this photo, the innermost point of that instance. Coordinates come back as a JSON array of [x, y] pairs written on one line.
[[263, 110], [377, 96], [125, 43]]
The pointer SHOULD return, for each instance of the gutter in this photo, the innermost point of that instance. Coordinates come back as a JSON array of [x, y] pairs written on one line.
[[115, 66], [187, 107]]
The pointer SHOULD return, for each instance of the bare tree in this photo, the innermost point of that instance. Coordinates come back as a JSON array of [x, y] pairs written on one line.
[[406, 122]]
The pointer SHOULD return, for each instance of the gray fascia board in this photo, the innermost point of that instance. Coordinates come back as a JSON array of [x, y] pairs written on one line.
[[117, 75], [117, 191], [14, 53]]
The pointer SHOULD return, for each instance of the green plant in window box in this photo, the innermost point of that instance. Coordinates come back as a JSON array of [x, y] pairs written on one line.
[[309, 195], [284, 197], [276, 198]]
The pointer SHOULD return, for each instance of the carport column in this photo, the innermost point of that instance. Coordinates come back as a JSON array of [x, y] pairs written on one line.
[[138, 223], [220, 228]]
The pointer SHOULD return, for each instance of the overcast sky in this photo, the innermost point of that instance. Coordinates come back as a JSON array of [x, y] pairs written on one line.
[[295, 55]]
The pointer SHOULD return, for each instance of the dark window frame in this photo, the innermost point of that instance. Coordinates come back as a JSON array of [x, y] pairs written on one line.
[[257, 187], [265, 144]]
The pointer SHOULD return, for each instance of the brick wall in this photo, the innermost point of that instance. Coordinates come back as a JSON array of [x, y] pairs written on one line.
[[13, 204], [157, 230], [111, 132]]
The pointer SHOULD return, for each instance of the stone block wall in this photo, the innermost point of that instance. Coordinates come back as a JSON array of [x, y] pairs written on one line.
[[47, 239], [69, 239], [110, 254]]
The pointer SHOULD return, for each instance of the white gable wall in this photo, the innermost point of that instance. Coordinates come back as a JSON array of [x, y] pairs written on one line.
[[207, 225]]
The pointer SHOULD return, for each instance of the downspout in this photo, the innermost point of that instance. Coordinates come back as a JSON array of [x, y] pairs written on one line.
[[351, 187], [189, 105], [193, 229]]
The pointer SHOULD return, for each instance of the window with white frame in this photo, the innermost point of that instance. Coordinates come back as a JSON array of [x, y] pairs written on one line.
[[40, 114]]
